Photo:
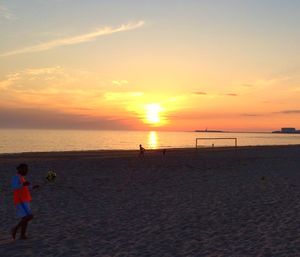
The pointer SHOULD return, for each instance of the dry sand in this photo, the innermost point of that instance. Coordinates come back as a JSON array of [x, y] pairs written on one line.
[[217, 202]]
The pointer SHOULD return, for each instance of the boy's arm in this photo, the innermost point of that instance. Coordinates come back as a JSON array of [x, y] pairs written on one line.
[[16, 183]]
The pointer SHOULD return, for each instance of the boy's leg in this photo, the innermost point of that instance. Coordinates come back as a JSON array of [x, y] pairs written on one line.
[[16, 228], [24, 226], [23, 230]]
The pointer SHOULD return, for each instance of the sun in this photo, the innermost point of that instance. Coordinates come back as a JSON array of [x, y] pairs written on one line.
[[152, 113]]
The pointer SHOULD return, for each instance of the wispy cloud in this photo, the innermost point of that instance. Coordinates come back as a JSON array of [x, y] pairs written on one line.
[[21, 77], [290, 112], [247, 85], [119, 82], [231, 94], [6, 13], [54, 86], [200, 93], [74, 40], [284, 112], [251, 114]]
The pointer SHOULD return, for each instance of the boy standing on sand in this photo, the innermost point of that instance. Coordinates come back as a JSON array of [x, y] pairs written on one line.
[[22, 199], [142, 150]]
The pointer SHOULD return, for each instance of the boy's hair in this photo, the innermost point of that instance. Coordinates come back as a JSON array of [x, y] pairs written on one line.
[[22, 166]]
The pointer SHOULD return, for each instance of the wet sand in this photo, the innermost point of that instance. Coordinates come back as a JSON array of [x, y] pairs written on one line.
[[213, 202]]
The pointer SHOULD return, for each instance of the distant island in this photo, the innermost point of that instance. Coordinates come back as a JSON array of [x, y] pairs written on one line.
[[206, 130], [287, 131]]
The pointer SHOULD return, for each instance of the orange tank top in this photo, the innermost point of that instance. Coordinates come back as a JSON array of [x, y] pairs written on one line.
[[22, 195]]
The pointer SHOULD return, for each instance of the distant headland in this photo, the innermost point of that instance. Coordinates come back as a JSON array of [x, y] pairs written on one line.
[[287, 131], [206, 130]]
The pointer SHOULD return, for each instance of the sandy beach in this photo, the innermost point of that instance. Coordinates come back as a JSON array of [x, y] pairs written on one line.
[[215, 202]]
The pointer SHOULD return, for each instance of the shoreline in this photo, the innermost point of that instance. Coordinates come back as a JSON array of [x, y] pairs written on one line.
[[130, 153]]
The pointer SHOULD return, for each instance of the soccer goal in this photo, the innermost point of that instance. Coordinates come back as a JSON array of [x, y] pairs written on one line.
[[216, 138]]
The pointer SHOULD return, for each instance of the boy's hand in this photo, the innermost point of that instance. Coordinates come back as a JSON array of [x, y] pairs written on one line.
[[26, 183], [36, 187]]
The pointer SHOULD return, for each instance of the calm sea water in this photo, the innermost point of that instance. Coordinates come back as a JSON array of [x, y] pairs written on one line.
[[15, 141]]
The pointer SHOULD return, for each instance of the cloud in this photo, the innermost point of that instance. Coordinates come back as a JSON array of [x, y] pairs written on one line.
[[6, 14], [74, 40], [247, 85], [42, 71], [287, 112], [200, 93], [213, 95], [10, 80], [120, 82], [52, 119], [251, 115], [290, 112], [54, 86], [24, 79]]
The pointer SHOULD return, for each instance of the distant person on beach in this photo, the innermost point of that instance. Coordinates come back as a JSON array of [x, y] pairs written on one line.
[[22, 199], [142, 150]]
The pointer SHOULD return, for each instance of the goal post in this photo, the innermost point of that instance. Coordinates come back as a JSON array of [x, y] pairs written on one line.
[[216, 138]]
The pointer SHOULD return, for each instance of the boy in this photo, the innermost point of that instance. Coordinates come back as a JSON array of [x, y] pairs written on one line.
[[22, 199], [142, 150]]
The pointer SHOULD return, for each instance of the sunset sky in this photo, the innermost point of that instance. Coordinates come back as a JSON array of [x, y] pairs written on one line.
[[150, 65]]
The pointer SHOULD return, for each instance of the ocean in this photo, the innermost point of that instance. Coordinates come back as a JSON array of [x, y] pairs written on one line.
[[25, 140]]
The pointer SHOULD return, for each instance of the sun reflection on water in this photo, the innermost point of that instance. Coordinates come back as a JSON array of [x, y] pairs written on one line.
[[152, 140]]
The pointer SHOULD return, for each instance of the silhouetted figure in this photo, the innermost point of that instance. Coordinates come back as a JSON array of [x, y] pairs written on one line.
[[22, 199], [142, 150], [164, 151]]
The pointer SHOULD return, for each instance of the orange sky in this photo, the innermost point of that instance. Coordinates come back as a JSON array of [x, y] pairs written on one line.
[[138, 66]]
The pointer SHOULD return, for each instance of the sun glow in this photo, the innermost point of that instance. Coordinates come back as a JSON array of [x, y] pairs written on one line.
[[153, 113]]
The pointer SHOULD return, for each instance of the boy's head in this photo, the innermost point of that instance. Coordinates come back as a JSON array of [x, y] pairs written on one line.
[[22, 169]]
